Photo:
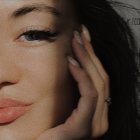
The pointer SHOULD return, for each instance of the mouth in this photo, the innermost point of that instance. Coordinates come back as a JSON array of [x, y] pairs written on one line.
[[11, 109]]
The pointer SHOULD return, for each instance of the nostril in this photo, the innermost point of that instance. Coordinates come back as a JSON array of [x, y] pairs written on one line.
[[5, 84]]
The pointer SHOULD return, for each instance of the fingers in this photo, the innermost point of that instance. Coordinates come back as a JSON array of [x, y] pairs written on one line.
[[99, 79], [102, 128], [85, 60], [94, 58], [81, 76], [92, 54], [90, 118], [79, 123]]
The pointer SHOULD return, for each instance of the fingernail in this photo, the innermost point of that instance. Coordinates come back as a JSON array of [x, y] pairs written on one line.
[[73, 61], [78, 37], [86, 33]]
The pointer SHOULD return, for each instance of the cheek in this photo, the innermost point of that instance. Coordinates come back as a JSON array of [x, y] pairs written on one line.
[[45, 70]]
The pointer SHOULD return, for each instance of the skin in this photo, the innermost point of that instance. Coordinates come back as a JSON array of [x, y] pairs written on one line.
[[38, 72]]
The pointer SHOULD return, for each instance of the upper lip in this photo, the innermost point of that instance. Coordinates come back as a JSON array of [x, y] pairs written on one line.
[[7, 102]]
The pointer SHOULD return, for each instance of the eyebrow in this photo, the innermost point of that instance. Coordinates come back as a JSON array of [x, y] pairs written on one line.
[[35, 7]]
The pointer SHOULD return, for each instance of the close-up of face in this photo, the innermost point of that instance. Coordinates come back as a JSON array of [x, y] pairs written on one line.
[[35, 39], [68, 70]]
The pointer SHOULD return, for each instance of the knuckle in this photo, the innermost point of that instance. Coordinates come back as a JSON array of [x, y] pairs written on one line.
[[77, 131], [99, 131], [81, 133], [94, 98], [102, 86], [84, 74], [92, 92], [84, 133], [96, 134], [104, 130], [106, 79]]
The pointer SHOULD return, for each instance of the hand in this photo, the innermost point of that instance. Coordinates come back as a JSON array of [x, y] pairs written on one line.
[[90, 118]]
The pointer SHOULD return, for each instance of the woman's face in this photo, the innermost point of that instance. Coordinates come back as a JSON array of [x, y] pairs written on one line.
[[35, 39]]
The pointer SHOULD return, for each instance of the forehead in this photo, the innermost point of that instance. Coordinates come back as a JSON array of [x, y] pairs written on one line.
[[8, 6], [57, 9], [18, 2], [60, 4]]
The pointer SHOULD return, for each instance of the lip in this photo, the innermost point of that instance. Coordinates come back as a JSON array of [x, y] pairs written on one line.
[[11, 109]]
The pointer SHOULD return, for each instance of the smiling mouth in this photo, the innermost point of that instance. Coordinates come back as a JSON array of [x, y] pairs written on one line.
[[11, 109]]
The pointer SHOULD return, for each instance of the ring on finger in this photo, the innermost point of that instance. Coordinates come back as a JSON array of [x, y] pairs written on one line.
[[108, 100]]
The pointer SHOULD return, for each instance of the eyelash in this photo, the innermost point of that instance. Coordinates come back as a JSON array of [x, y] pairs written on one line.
[[39, 35]]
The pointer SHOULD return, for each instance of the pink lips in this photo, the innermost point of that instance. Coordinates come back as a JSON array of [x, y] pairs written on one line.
[[11, 109]]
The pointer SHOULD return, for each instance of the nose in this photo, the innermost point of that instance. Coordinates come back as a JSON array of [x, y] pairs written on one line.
[[8, 74]]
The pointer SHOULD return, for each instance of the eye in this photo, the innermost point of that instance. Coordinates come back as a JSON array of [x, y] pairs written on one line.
[[38, 35]]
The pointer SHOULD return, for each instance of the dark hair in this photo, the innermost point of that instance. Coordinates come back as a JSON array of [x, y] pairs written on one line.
[[114, 45]]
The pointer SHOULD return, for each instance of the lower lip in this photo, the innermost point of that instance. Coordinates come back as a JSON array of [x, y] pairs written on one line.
[[9, 114]]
